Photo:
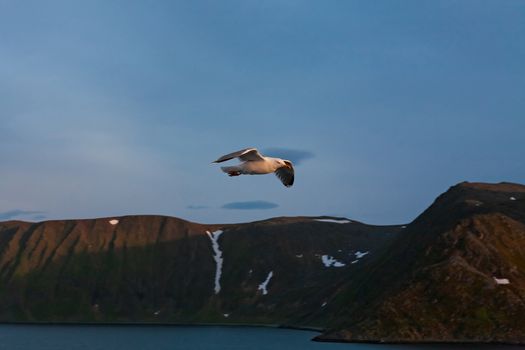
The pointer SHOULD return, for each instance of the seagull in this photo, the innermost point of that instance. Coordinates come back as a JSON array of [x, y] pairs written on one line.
[[255, 163]]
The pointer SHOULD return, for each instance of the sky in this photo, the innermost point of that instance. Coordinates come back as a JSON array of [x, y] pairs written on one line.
[[113, 108]]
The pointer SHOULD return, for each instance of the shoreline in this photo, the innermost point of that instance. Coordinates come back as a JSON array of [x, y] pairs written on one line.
[[165, 324], [267, 325], [417, 342]]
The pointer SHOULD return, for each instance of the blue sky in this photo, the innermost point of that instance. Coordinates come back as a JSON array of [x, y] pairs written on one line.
[[118, 107]]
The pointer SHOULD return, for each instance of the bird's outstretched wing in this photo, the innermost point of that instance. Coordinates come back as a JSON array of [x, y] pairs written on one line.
[[246, 154], [286, 174]]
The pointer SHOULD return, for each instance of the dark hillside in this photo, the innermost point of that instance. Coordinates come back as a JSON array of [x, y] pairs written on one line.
[[455, 274], [447, 273]]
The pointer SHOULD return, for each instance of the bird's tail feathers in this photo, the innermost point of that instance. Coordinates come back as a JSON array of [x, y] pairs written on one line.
[[230, 169]]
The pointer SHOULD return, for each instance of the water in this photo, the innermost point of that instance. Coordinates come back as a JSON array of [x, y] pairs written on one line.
[[43, 337]]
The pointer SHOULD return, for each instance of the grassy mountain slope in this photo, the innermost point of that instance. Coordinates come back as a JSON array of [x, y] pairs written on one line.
[[456, 273], [162, 269], [442, 274]]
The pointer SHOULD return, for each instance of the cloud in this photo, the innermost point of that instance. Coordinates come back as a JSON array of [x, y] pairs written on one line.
[[10, 214], [295, 155], [197, 207], [250, 205]]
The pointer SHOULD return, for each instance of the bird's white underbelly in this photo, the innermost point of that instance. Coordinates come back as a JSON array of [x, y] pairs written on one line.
[[257, 167]]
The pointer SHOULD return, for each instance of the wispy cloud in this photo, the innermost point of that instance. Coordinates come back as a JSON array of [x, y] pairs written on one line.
[[250, 205], [11, 214], [295, 155], [197, 207]]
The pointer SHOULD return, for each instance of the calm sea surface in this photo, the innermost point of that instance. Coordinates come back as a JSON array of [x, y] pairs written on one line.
[[30, 337]]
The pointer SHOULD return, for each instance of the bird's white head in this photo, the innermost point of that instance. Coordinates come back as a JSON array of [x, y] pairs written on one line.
[[286, 163]]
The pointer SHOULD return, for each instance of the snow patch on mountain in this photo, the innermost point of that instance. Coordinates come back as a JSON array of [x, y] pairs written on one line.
[[335, 221], [262, 286], [214, 237], [360, 254], [501, 280], [331, 261]]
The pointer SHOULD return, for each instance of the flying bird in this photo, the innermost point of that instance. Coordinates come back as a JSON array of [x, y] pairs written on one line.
[[255, 163]]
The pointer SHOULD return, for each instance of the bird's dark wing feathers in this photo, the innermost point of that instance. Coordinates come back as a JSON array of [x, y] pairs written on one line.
[[286, 175]]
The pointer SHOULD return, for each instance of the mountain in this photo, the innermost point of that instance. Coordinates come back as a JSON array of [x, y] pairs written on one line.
[[164, 269], [455, 274]]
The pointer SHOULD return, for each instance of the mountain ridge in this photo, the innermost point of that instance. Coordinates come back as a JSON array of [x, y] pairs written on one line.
[[315, 272]]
